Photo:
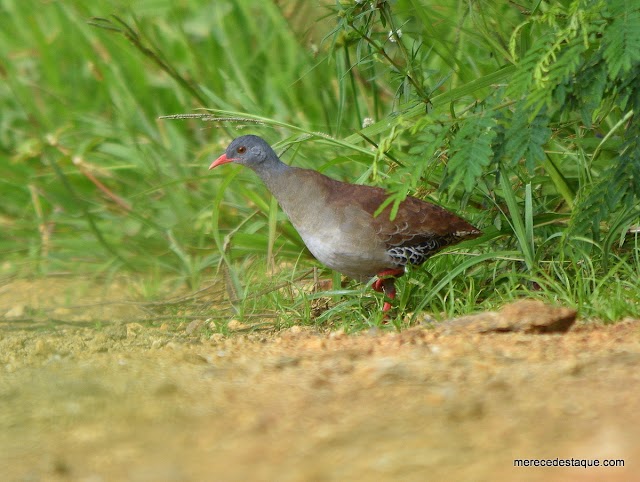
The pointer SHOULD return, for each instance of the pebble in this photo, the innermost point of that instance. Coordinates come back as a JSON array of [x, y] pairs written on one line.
[[235, 325], [133, 329], [193, 326]]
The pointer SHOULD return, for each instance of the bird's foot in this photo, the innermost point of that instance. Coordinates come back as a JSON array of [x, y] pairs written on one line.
[[386, 274], [386, 283]]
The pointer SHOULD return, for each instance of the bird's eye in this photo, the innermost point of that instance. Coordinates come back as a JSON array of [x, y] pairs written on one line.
[[241, 150]]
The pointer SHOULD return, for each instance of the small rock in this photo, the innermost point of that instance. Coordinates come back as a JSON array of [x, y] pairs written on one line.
[[531, 316], [295, 329], [524, 316], [42, 347], [193, 326], [133, 329], [236, 325], [319, 306], [194, 358]]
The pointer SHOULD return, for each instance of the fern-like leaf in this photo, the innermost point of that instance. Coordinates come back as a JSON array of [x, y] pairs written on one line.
[[526, 139], [622, 37], [472, 151]]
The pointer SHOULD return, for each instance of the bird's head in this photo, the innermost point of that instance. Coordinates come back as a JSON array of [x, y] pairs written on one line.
[[249, 151]]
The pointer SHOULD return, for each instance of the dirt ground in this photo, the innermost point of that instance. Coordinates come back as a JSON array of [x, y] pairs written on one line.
[[88, 394]]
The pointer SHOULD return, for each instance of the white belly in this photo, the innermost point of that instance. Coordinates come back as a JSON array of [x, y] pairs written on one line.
[[340, 254]]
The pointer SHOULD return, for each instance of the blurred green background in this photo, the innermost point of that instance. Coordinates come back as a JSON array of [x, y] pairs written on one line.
[[478, 106], [91, 179]]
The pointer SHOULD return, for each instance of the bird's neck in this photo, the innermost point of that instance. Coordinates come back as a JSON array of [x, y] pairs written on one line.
[[272, 172]]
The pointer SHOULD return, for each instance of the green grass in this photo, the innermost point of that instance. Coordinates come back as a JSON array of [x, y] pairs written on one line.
[[94, 182]]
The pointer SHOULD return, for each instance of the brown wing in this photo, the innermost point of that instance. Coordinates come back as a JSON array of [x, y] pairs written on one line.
[[419, 229]]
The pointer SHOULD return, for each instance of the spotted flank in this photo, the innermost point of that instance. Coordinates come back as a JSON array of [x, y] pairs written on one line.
[[417, 254]]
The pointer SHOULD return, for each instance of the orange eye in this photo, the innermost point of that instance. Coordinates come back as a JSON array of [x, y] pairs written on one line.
[[241, 150]]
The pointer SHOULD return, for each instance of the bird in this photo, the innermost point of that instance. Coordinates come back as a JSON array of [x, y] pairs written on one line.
[[337, 221]]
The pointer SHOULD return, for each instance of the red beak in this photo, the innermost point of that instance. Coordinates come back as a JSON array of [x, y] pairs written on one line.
[[223, 159]]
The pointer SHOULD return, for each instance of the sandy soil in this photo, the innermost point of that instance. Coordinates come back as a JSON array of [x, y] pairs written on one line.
[[88, 394]]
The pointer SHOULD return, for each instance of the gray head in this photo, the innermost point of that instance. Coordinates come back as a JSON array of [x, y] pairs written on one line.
[[250, 151]]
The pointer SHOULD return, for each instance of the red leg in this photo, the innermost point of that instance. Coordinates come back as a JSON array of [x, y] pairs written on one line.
[[389, 289], [386, 283]]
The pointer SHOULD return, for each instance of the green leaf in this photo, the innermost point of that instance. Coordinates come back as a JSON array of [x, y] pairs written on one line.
[[622, 38], [526, 139], [471, 151]]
